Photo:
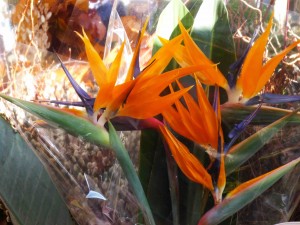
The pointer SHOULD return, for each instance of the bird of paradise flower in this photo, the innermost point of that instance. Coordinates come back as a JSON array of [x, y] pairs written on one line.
[[253, 75], [139, 96], [200, 121]]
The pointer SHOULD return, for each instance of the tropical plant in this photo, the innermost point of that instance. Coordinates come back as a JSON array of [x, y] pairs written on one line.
[[197, 102]]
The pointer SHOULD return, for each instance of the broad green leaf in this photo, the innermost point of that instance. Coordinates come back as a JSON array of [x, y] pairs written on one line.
[[244, 194], [97, 135], [130, 173], [153, 173], [245, 149], [72, 124], [25, 186], [167, 26], [197, 198], [169, 17], [211, 32], [235, 113]]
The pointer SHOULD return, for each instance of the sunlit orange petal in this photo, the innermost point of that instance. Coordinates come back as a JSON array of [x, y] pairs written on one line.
[[186, 161], [162, 57], [120, 94], [173, 119], [209, 76], [269, 68], [168, 46], [161, 81], [143, 106], [104, 95], [209, 118], [252, 66], [103, 98], [97, 66], [193, 124], [197, 122], [194, 128], [180, 53]]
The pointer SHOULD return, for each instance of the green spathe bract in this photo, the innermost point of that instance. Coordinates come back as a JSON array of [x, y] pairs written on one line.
[[245, 149], [240, 199], [73, 124]]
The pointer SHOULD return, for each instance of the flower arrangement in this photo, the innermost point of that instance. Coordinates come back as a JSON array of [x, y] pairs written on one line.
[[189, 121]]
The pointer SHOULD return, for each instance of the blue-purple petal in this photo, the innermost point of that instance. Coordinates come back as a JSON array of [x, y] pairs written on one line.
[[239, 128], [87, 101]]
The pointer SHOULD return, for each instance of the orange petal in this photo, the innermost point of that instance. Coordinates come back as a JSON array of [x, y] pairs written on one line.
[[145, 106], [185, 125], [161, 81], [120, 94], [180, 54], [252, 66], [209, 118], [209, 76], [162, 57], [186, 161], [103, 97], [173, 119], [194, 124], [195, 119], [97, 66], [270, 66]]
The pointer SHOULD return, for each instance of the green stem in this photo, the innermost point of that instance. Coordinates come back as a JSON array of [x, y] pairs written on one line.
[[130, 173]]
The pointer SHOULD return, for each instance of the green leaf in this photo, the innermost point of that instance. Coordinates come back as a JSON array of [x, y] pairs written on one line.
[[245, 149], [153, 174], [25, 186], [211, 32], [130, 173], [72, 124], [244, 194], [97, 135], [167, 26], [169, 17]]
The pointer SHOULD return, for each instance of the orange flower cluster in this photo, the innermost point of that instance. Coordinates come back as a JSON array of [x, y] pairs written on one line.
[[141, 97]]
